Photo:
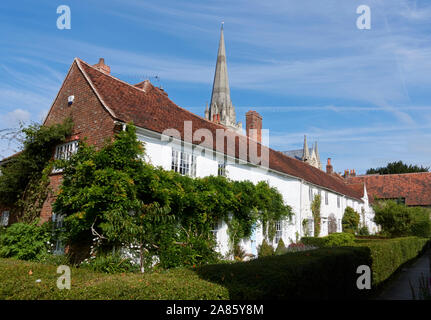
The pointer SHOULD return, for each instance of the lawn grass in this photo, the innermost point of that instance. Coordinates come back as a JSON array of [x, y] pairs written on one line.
[[16, 283]]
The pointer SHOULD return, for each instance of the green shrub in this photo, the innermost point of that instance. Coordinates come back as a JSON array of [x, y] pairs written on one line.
[[333, 240], [110, 263], [314, 241], [281, 248], [25, 241], [421, 224], [363, 231], [396, 219], [341, 239], [350, 220], [265, 249]]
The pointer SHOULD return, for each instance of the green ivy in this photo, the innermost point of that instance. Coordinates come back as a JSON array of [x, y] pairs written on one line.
[[24, 180], [315, 209]]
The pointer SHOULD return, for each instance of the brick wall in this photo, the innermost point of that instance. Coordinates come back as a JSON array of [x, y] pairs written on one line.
[[90, 118]]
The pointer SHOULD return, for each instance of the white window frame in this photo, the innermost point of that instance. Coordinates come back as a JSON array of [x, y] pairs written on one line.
[[278, 231], [64, 152], [216, 228], [183, 163], [221, 169], [5, 218], [310, 194]]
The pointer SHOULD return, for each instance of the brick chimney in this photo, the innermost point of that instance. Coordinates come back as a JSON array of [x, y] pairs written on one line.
[[101, 66], [329, 168], [254, 123], [216, 118]]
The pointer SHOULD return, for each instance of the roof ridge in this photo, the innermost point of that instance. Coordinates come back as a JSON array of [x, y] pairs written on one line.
[[140, 90], [281, 162], [390, 174]]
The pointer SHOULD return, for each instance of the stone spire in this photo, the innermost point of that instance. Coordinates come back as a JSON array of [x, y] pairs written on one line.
[[316, 151], [305, 150], [221, 104]]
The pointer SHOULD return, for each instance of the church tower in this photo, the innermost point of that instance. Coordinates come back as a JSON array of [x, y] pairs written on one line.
[[221, 109]]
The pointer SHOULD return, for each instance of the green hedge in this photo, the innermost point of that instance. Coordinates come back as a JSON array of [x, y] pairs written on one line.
[[332, 240], [327, 273], [389, 254], [17, 283]]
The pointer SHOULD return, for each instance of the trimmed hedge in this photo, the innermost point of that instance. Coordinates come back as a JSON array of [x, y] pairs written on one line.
[[327, 273], [18, 283], [332, 240], [389, 254]]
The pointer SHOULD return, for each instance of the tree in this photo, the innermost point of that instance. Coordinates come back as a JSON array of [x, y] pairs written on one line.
[[397, 167], [399, 220], [350, 220], [281, 248]]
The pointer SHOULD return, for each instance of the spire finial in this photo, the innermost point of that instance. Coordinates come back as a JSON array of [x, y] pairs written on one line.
[[305, 150], [222, 24]]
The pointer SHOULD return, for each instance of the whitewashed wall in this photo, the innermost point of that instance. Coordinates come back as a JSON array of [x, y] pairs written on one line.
[[294, 190]]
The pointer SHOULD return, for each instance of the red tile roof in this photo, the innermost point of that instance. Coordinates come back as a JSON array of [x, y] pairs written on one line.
[[150, 108], [414, 187]]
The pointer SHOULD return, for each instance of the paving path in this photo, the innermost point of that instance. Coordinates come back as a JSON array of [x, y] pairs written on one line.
[[399, 288]]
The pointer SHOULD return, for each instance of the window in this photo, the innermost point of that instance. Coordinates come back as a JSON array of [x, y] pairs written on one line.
[[278, 231], [4, 219], [184, 163], [326, 198], [309, 228], [57, 221], [222, 169], [338, 201], [66, 150], [310, 194], [216, 227]]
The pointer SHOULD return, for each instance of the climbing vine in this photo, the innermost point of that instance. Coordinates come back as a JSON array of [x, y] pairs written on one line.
[[315, 209], [123, 201], [24, 180]]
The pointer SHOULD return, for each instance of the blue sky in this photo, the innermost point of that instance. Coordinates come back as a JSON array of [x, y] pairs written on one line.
[[364, 95]]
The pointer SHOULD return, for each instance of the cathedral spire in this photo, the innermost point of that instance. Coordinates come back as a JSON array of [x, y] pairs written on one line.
[[316, 151], [221, 103], [305, 151]]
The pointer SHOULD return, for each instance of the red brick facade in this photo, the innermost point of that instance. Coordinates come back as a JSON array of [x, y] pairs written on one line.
[[91, 120]]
